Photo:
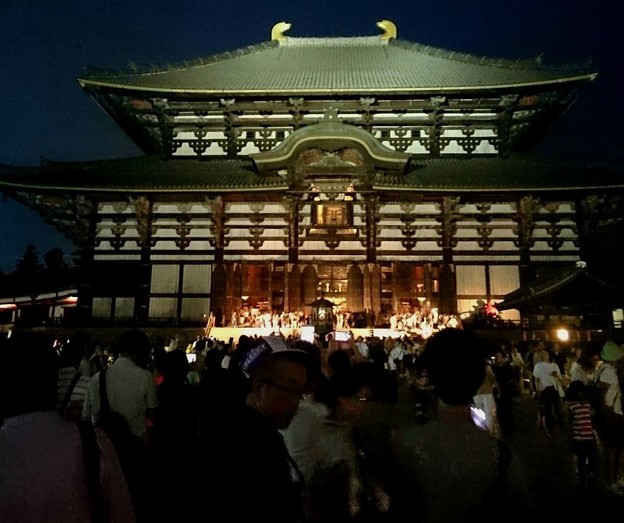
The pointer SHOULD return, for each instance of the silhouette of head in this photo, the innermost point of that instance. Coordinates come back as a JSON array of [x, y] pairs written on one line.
[[455, 363]]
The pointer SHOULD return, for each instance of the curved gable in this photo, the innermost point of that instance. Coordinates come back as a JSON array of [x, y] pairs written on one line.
[[331, 142]]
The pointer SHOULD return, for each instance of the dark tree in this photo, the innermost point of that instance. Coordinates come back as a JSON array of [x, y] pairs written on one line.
[[29, 263], [54, 260], [32, 278], [27, 274]]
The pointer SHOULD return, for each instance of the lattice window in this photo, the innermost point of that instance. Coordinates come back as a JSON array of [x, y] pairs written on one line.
[[165, 278]]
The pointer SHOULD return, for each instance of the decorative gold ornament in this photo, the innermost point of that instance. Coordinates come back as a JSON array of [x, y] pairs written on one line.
[[389, 29], [277, 33]]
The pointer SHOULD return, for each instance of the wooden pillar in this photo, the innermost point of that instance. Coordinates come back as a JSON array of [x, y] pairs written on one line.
[[234, 287], [429, 287], [448, 286], [143, 209], [217, 294], [372, 218], [218, 227], [293, 230], [375, 289], [586, 225], [293, 288], [524, 240], [218, 289], [86, 272], [448, 228], [355, 289], [277, 282], [309, 282], [366, 287]]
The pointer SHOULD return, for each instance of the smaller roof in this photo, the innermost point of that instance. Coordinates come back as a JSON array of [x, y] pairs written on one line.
[[516, 173], [572, 289], [139, 174], [439, 175]]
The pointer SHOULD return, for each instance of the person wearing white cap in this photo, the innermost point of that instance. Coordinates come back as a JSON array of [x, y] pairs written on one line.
[[612, 432]]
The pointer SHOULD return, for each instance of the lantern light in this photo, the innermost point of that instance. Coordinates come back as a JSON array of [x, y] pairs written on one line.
[[563, 334]]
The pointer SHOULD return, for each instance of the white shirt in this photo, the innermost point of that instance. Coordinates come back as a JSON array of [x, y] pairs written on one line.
[[396, 354], [362, 347], [613, 395], [543, 374], [131, 391], [577, 373], [312, 439]]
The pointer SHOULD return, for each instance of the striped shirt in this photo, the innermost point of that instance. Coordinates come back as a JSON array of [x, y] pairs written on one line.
[[581, 424]]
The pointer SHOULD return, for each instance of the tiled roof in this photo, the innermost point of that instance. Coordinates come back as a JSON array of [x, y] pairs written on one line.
[[507, 174], [152, 174], [144, 174], [338, 66], [569, 285]]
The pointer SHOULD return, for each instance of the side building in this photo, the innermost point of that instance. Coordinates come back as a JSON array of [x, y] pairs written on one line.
[[384, 174]]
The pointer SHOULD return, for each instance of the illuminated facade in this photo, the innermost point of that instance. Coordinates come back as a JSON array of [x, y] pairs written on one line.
[[386, 174]]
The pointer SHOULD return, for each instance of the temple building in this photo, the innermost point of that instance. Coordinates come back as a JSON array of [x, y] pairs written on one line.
[[382, 174]]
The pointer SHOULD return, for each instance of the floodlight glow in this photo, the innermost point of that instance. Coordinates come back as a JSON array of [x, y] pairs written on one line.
[[563, 335]]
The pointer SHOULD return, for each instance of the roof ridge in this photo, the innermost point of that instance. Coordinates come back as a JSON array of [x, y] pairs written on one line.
[[140, 69], [332, 40], [459, 56]]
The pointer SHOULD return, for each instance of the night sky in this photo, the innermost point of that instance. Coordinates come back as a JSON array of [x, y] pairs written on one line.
[[44, 46]]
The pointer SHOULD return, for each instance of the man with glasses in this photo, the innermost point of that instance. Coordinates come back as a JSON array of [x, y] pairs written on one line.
[[256, 476]]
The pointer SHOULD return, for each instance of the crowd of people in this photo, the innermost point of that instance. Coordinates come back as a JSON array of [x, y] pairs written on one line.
[[577, 392], [416, 321], [285, 430]]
